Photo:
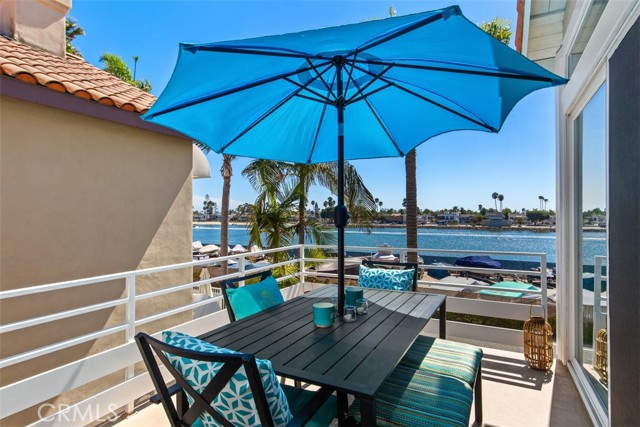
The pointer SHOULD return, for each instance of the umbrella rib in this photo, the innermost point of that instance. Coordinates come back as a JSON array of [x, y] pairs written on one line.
[[366, 95], [402, 31], [267, 114], [258, 50], [349, 77], [231, 91], [303, 87], [306, 86], [310, 98], [321, 78], [431, 101], [458, 71], [382, 125], [315, 139], [361, 90]]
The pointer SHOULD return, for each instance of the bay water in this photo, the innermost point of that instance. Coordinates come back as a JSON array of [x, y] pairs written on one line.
[[437, 238]]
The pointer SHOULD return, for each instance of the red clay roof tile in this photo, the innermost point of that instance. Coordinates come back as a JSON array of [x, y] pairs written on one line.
[[71, 74]]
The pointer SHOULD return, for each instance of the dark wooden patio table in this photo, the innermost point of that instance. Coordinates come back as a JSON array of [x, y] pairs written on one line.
[[353, 358]]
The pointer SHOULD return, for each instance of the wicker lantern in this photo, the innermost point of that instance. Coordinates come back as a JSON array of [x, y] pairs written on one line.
[[601, 362], [538, 343]]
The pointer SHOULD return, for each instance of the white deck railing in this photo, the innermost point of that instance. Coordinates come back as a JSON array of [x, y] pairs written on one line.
[[40, 388]]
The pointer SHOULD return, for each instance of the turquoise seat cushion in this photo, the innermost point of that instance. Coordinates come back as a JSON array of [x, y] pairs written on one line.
[[412, 398], [383, 278], [445, 357], [252, 299], [298, 399], [235, 402]]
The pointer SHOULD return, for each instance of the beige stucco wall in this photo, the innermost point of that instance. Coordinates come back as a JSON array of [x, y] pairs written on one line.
[[82, 197]]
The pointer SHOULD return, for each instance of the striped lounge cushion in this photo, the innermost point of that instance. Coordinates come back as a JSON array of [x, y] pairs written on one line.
[[410, 397], [444, 357]]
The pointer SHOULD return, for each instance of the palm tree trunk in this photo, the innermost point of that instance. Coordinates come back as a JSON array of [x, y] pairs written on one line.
[[224, 226], [412, 205], [301, 220]]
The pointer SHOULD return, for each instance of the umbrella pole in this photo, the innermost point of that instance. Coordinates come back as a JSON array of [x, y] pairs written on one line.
[[341, 216]]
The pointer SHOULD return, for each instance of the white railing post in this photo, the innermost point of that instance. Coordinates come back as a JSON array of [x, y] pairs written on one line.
[[543, 283], [241, 267], [302, 275], [403, 256], [130, 282], [599, 319]]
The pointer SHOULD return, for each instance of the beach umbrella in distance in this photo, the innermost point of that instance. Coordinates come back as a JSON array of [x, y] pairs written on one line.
[[368, 90], [238, 249], [209, 249]]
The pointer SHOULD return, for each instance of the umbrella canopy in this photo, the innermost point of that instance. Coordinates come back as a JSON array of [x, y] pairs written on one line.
[[368, 90]]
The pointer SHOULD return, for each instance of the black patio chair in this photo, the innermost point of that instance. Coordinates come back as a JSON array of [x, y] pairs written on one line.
[[318, 407], [234, 283], [398, 266]]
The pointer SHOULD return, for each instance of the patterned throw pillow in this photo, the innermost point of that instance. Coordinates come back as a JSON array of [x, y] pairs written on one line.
[[235, 402], [383, 278]]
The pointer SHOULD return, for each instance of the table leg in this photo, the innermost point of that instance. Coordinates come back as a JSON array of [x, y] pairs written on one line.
[[343, 407], [443, 319], [368, 411]]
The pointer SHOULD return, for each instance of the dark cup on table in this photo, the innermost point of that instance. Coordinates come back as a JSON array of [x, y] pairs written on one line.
[[352, 294]]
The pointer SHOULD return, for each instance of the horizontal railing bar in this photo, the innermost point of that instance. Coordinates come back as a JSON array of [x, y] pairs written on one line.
[[61, 315], [32, 354], [419, 250], [453, 267], [178, 310], [166, 291], [480, 287], [290, 276], [422, 282], [118, 276]]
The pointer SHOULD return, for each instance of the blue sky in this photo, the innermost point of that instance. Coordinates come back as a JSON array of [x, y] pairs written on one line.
[[458, 168]]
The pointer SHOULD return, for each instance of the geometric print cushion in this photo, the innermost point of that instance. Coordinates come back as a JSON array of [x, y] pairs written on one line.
[[382, 278], [235, 402]]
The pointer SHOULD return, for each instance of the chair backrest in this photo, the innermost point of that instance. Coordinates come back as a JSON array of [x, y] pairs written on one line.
[[187, 411], [234, 283], [398, 266]]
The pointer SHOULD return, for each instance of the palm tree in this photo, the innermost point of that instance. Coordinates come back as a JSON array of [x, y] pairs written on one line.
[[358, 199], [479, 208], [72, 30], [540, 199], [267, 176], [226, 170], [545, 204], [501, 198], [380, 204], [494, 196], [271, 217], [318, 174], [411, 205]]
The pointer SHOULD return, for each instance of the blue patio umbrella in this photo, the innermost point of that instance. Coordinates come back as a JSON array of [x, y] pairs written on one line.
[[368, 90]]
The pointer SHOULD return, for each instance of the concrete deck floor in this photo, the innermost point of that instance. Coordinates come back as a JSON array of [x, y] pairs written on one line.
[[513, 395]]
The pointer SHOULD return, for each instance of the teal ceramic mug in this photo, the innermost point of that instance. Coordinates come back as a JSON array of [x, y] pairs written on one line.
[[352, 295], [323, 314]]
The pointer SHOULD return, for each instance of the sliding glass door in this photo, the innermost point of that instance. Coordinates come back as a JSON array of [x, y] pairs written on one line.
[[590, 290]]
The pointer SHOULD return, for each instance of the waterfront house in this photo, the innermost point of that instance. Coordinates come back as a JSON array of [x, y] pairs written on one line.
[[495, 220], [447, 217], [87, 189], [595, 43]]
